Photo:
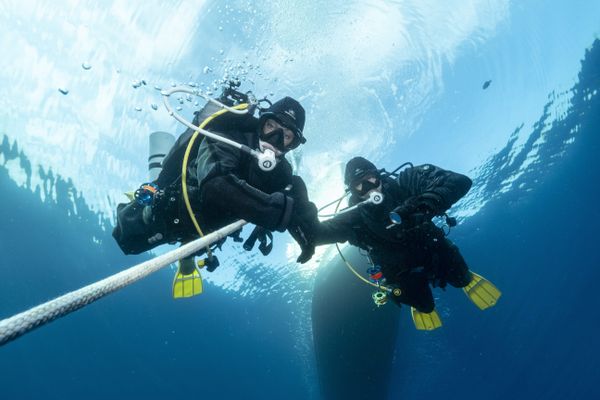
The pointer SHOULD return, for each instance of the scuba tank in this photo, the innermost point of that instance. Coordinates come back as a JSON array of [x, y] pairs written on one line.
[[160, 144]]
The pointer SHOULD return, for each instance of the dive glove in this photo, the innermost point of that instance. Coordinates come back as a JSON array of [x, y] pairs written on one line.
[[264, 237], [304, 219], [416, 210], [304, 240]]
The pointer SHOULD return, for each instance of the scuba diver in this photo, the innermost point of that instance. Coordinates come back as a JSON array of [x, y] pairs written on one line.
[[390, 217], [206, 184]]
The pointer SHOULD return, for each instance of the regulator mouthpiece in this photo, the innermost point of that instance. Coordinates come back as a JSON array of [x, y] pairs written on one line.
[[375, 198], [266, 160]]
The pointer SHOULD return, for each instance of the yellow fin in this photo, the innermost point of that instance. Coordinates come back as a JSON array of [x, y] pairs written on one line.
[[130, 195], [482, 292], [425, 321], [187, 285]]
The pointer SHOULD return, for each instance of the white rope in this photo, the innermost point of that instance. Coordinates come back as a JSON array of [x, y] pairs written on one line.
[[18, 325]]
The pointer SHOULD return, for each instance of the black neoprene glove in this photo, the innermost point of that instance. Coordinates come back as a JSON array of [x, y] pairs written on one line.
[[301, 234], [418, 209], [304, 219]]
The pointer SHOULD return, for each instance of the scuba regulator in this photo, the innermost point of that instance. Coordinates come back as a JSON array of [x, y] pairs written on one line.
[[266, 159]]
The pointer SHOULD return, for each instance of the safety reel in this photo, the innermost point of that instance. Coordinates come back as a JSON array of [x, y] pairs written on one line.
[[380, 298]]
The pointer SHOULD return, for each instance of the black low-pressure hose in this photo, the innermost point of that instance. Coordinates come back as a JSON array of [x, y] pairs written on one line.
[[393, 173]]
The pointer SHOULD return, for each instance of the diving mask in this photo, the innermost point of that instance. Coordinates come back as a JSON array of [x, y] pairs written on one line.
[[365, 185]]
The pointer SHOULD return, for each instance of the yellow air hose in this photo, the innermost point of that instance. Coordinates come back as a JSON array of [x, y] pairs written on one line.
[[382, 287], [186, 197]]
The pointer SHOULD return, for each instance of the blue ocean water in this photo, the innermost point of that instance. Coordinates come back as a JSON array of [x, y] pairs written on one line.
[[529, 226], [540, 247], [139, 343]]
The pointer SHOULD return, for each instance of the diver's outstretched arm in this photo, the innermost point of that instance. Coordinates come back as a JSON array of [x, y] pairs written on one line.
[[234, 196], [339, 229]]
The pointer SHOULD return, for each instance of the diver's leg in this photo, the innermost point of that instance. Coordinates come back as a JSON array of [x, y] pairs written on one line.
[[456, 270], [414, 291], [132, 233]]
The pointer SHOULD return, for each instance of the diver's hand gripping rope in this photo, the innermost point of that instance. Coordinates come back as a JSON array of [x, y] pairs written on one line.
[[266, 159], [20, 324]]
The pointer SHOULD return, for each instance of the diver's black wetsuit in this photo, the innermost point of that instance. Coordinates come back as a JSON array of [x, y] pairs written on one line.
[[224, 185], [415, 253]]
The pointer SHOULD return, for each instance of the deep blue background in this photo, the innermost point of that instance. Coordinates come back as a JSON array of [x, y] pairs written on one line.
[[137, 343], [540, 248]]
